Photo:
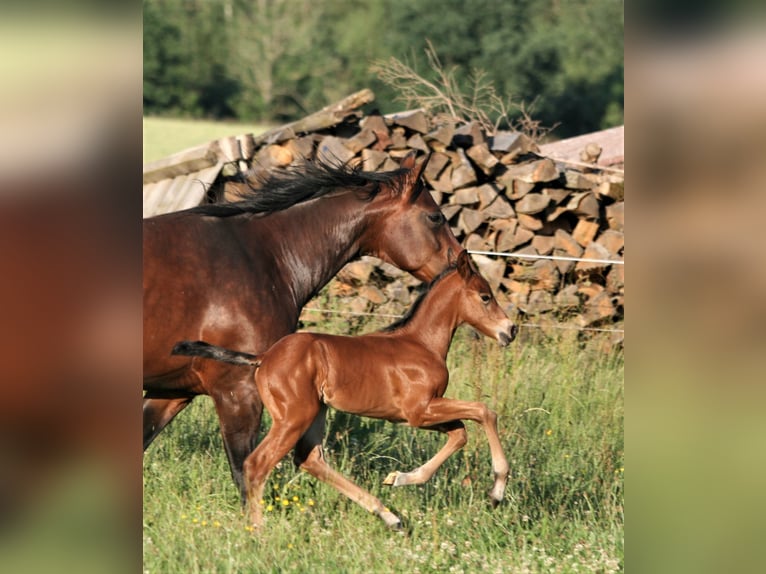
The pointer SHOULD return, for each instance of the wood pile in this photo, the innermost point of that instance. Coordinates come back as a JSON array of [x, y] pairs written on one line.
[[499, 194]]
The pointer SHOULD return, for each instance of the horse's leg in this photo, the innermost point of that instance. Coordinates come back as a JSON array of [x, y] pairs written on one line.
[[441, 410], [310, 457], [158, 412], [239, 410], [282, 436], [456, 439]]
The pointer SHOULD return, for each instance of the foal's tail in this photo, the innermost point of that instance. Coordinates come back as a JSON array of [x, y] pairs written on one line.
[[203, 349]]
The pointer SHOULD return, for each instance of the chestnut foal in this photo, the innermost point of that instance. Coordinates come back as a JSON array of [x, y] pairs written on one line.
[[398, 374]]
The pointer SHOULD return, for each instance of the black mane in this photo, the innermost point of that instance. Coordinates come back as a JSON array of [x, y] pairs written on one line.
[[399, 323], [279, 189]]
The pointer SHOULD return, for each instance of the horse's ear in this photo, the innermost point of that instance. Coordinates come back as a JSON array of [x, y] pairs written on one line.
[[413, 178], [464, 265], [408, 162]]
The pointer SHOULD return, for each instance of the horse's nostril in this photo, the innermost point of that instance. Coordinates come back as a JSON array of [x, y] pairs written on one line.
[[514, 330]]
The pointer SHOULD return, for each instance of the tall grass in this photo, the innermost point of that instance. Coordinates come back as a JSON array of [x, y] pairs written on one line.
[[560, 406]]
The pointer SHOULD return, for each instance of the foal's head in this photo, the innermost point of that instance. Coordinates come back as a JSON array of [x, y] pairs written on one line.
[[478, 306]]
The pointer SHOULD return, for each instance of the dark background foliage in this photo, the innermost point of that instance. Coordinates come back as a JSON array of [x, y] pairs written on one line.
[[277, 60]]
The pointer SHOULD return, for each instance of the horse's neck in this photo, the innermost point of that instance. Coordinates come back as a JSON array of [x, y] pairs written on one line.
[[436, 319], [316, 239]]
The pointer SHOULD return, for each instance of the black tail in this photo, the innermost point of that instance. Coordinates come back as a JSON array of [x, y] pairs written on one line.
[[203, 349]]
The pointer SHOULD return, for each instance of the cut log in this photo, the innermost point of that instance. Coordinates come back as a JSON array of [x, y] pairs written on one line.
[[372, 294], [373, 159], [437, 162], [493, 270], [356, 272], [615, 215], [514, 143], [302, 148], [414, 120], [332, 150], [468, 135], [482, 157], [593, 251], [615, 279], [590, 289], [499, 209], [566, 246], [612, 189], [577, 180], [529, 222], [567, 298], [532, 203], [272, 156], [365, 138], [584, 204], [538, 302], [544, 244], [597, 309], [519, 189], [541, 170], [417, 142], [469, 220], [398, 139], [475, 242], [487, 194], [450, 210], [557, 195], [585, 231], [442, 134], [613, 241], [465, 196], [444, 182], [463, 174], [542, 275]]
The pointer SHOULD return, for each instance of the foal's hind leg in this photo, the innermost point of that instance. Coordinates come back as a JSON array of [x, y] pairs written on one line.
[[158, 412], [456, 439], [310, 457]]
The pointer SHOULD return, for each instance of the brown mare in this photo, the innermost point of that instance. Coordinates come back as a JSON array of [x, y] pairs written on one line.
[[399, 374], [238, 274]]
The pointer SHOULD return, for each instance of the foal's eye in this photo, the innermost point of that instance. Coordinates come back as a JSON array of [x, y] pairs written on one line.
[[437, 218], [485, 298]]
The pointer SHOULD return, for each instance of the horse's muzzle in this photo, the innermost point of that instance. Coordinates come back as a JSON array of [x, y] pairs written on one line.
[[505, 338]]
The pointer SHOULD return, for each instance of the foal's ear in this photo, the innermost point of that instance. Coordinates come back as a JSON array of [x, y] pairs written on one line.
[[464, 265]]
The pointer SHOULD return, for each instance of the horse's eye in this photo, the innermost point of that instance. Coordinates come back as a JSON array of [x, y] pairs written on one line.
[[485, 298], [437, 218]]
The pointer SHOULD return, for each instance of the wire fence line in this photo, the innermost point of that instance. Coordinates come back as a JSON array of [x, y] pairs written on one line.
[[551, 257]]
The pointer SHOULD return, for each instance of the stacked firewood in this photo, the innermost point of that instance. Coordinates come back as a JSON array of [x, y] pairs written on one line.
[[499, 195]]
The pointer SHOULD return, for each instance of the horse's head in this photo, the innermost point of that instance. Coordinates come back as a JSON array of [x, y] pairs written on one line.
[[479, 308], [409, 230]]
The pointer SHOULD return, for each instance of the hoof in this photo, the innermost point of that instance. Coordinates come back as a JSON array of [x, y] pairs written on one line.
[[391, 520], [390, 480]]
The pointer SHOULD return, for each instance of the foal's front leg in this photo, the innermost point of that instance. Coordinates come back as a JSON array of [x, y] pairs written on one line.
[[441, 410], [456, 439]]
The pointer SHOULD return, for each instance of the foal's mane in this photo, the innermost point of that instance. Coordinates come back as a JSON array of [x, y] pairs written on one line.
[[279, 189], [399, 323]]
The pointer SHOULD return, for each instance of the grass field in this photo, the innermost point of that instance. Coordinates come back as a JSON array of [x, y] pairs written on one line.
[[561, 408], [561, 422]]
